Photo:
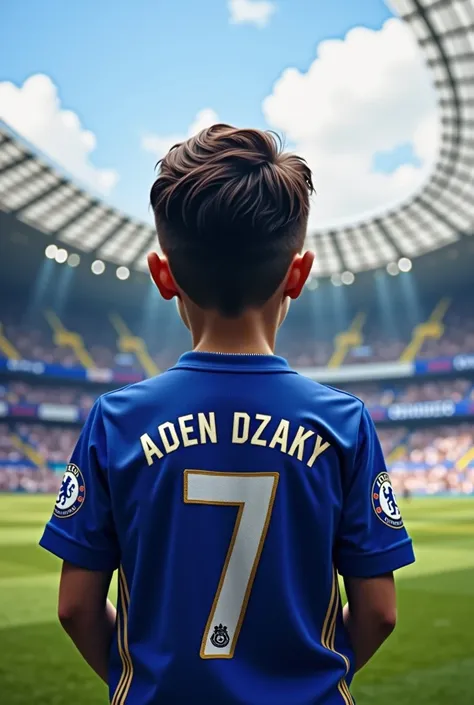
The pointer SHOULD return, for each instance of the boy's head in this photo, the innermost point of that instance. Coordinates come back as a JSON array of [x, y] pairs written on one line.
[[231, 211]]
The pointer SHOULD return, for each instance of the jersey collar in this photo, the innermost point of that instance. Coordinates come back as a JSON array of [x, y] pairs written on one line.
[[233, 362]]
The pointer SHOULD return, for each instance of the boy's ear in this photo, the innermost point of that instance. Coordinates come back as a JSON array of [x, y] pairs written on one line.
[[161, 274], [298, 274]]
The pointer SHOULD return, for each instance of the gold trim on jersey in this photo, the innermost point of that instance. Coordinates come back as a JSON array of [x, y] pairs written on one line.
[[328, 636], [125, 681]]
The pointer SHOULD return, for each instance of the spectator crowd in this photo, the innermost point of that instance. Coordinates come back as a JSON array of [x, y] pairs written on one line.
[[382, 394], [428, 461], [303, 347], [18, 393], [423, 460], [52, 445], [385, 394]]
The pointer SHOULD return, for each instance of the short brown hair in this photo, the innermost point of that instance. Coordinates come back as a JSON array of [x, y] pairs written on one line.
[[231, 211]]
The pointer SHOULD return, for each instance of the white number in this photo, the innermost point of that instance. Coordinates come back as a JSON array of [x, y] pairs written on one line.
[[254, 495]]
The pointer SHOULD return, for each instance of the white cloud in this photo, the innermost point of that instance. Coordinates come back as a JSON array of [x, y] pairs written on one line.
[[34, 111], [256, 12], [368, 93], [160, 144]]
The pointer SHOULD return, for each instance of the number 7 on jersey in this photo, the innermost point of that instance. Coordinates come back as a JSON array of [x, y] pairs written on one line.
[[254, 495]]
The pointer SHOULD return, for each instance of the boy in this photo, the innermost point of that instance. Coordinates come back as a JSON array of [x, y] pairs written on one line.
[[229, 491]]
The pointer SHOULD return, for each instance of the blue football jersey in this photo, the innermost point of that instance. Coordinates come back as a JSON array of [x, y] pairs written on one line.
[[229, 492]]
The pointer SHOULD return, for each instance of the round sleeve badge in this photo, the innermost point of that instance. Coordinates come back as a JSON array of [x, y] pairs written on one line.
[[384, 502], [71, 494]]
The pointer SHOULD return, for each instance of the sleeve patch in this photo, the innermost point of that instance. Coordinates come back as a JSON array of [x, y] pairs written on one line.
[[72, 493], [384, 502]]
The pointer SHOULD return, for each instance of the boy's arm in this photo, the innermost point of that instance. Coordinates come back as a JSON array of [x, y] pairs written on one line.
[[87, 615], [82, 533], [370, 614], [372, 542]]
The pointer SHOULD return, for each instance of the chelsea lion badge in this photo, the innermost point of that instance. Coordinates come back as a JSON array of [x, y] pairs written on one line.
[[71, 494]]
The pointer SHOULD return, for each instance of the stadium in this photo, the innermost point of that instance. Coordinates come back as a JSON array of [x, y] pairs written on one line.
[[388, 315]]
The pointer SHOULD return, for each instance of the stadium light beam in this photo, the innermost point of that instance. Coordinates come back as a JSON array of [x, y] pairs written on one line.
[[63, 288], [412, 301], [340, 306], [385, 303], [39, 293]]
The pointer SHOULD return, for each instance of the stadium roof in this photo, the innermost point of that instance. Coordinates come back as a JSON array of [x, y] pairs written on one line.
[[440, 213]]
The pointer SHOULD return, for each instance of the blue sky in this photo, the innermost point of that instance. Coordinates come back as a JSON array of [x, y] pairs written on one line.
[[148, 66]]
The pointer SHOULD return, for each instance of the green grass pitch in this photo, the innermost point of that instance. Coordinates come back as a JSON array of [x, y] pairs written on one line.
[[429, 658]]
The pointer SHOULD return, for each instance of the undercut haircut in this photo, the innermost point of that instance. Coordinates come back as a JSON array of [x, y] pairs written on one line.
[[231, 210]]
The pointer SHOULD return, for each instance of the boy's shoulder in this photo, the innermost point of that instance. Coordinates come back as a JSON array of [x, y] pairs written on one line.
[[328, 394], [136, 394]]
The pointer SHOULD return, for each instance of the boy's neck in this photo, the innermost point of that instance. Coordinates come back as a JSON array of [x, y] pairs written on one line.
[[243, 336]]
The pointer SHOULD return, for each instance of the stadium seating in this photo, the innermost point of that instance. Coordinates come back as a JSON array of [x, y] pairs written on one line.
[[43, 339], [23, 393], [43, 415], [430, 460], [384, 394], [435, 460]]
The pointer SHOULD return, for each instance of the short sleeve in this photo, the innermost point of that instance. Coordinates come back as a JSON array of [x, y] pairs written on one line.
[[372, 539], [81, 529]]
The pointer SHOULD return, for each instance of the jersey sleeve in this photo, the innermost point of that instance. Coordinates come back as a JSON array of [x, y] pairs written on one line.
[[372, 539], [81, 529]]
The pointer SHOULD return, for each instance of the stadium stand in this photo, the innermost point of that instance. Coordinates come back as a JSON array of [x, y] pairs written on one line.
[[54, 364], [22, 395], [92, 340], [436, 461], [431, 460]]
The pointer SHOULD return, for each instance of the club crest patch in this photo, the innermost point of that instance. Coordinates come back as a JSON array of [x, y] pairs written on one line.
[[71, 494], [384, 502]]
